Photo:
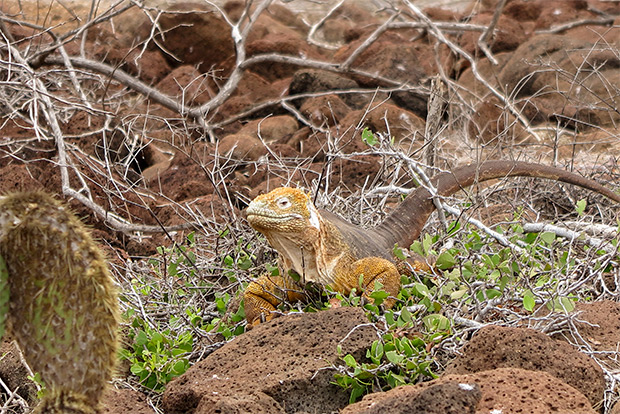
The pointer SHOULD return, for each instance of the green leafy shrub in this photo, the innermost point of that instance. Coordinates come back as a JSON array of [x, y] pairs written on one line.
[[474, 278], [176, 305]]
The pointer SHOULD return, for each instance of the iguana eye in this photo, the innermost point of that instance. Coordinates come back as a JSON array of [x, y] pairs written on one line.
[[283, 202]]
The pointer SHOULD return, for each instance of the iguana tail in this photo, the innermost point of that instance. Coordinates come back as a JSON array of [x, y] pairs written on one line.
[[406, 222]]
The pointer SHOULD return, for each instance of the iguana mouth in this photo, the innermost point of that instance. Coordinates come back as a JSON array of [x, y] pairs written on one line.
[[275, 217], [254, 213]]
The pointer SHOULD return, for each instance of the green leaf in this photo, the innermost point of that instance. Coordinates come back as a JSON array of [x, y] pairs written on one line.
[[547, 236], [581, 206], [458, 294], [356, 392], [294, 275], [378, 349], [421, 290], [394, 357], [405, 315], [436, 322], [445, 261], [141, 338], [398, 252], [528, 301], [378, 296], [427, 242], [416, 247], [157, 338], [368, 137], [179, 367], [562, 304], [137, 369], [350, 360], [244, 264], [273, 270]]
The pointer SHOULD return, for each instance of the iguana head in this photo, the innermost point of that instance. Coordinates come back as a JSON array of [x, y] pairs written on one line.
[[283, 210]]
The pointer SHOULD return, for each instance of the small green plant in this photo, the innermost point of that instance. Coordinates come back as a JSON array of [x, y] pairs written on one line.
[[39, 384], [398, 358], [159, 347], [369, 138], [156, 356]]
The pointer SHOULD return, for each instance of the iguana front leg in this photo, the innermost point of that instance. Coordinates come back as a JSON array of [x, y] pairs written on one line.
[[262, 297], [372, 270]]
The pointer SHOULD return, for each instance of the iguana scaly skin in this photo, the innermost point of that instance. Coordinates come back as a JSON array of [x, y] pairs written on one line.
[[320, 247]]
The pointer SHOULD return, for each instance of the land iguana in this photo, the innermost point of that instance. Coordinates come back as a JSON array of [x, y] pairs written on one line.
[[320, 247]]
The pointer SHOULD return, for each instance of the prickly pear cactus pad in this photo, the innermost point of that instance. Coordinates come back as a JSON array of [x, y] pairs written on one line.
[[63, 308]]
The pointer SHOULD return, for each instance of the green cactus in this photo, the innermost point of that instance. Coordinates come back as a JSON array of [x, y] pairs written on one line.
[[63, 309]]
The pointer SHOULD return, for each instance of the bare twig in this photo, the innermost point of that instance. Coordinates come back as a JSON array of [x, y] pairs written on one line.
[[474, 68], [595, 242], [484, 38]]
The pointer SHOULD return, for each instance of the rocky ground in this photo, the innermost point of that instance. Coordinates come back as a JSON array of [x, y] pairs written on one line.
[[146, 118]]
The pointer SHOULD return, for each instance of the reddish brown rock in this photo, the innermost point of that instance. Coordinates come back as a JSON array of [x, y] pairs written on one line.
[[403, 125], [599, 325], [149, 66], [315, 80], [186, 84], [242, 147], [281, 359], [184, 169], [523, 10], [500, 347], [14, 373], [556, 12], [271, 129], [508, 34], [395, 58], [324, 111], [505, 390], [441, 398], [195, 34], [552, 66], [19, 177], [285, 44]]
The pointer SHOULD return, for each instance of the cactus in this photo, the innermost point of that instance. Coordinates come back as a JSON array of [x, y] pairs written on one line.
[[63, 309]]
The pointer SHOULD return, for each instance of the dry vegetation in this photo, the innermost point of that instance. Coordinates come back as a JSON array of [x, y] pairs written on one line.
[[85, 116]]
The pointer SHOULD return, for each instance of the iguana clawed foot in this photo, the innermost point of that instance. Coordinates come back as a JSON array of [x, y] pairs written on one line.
[[264, 295]]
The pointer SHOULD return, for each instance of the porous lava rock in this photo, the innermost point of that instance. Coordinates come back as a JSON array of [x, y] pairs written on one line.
[[194, 34], [273, 128], [504, 390], [504, 347], [508, 34], [316, 80], [325, 110], [446, 398], [281, 366], [598, 324], [549, 66], [186, 84], [241, 146]]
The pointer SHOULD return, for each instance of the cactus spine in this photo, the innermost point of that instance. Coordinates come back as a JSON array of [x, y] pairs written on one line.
[[63, 309]]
